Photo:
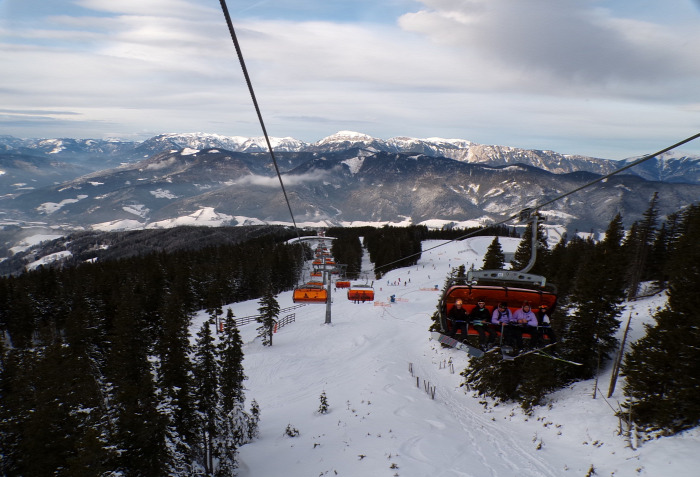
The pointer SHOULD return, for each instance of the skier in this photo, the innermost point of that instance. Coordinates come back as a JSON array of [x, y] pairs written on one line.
[[526, 319], [544, 326], [480, 318], [458, 316]]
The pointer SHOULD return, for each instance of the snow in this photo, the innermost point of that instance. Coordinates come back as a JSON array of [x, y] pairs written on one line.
[[163, 194], [355, 164], [381, 420], [205, 216], [188, 151], [137, 209], [50, 207], [47, 259], [32, 240], [115, 225]]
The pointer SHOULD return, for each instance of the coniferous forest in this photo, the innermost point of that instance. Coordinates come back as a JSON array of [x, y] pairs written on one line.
[[98, 372], [98, 369]]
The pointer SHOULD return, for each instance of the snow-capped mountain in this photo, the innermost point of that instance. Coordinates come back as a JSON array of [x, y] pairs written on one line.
[[341, 188], [347, 178], [101, 154]]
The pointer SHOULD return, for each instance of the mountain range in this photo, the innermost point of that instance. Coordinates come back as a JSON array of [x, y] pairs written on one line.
[[345, 179]]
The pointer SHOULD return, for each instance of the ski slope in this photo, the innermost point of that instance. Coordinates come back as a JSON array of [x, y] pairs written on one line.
[[379, 370]]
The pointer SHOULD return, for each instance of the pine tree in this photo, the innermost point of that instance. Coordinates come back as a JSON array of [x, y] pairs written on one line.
[[206, 394], [140, 430], [659, 255], [639, 244], [232, 419], [175, 381], [254, 419], [494, 258], [598, 292], [269, 311], [662, 375]]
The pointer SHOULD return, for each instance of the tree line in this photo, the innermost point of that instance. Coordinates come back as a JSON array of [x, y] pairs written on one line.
[[391, 247]]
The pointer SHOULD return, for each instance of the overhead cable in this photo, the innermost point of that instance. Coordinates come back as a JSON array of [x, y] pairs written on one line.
[[257, 108]]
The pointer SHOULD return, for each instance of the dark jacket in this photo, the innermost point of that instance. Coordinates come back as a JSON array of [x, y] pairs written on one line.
[[458, 314], [480, 314]]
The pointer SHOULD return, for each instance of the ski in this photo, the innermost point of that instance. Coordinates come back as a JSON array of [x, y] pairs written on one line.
[[506, 350], [557, 358], [449, 341]]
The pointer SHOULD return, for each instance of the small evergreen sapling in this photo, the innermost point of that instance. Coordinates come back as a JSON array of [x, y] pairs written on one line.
[[291, 431], [323, 407]]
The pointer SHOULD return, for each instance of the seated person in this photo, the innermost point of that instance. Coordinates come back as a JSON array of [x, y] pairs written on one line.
[[480, 317], [526, 319], [544, 326], [502, 317], [458, 317]]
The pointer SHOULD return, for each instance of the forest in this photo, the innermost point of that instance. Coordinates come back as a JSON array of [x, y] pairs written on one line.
[[97, 366]]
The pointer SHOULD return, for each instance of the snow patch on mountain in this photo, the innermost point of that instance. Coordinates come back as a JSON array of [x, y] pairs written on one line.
[[206, 216], [355, 164], [163, 194], [33, 240], [48, 259], [137, 209], [49, 208], [118, 225]]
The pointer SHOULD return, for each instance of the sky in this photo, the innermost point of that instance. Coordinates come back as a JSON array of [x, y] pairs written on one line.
[[604, 78], [374, 362]]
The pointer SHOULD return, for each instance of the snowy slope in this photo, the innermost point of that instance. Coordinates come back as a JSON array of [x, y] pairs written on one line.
[[382, 422]]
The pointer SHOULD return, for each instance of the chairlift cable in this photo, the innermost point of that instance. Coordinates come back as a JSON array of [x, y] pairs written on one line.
[[617, 171], [539, 206], [502, 222], [257, 108]]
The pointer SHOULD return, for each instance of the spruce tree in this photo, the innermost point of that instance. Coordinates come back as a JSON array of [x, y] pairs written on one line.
[[206, 394], [598, 292], [662, 375], [269, 311], [232, 419], [639, 243], [254, 419], [494, 258], [175, 381]]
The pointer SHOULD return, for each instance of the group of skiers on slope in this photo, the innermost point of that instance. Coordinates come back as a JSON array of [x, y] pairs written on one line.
[[513, 325]]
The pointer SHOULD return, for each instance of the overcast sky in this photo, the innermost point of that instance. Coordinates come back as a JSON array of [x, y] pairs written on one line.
[[605, 78]]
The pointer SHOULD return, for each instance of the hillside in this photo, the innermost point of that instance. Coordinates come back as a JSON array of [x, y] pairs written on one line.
[[382, 422]]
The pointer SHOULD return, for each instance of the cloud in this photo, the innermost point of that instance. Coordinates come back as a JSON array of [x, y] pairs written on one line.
[[288, 179], [491, 71], [574, 47]]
